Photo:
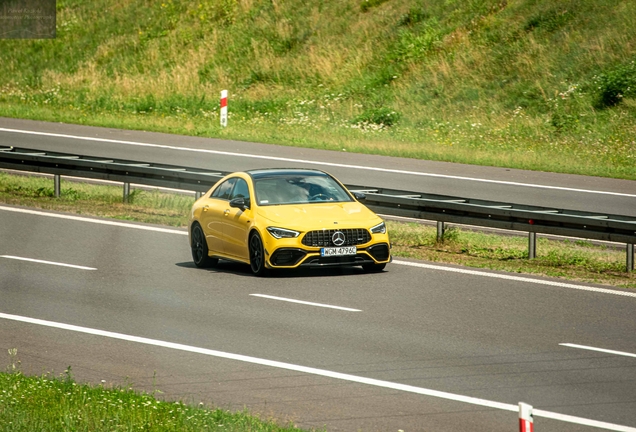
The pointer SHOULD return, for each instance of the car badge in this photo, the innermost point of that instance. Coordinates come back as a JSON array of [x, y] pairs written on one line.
[[338, 238]]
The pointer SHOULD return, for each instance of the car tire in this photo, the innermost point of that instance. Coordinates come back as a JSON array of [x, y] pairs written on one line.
[[199, 249], [257, 255], [373, 268]]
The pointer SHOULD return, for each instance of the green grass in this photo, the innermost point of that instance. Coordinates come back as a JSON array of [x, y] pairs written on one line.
[[574, 260], [50, 403], [531, 84], [105, 201]]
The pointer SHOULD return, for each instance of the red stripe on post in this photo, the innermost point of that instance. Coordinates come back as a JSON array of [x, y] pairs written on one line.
[[525, 426], [223, 110]]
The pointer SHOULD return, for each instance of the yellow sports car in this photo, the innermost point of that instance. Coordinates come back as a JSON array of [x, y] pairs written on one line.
[[286, 218]]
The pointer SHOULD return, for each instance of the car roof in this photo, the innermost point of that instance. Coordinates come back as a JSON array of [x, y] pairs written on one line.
[[274, 172]]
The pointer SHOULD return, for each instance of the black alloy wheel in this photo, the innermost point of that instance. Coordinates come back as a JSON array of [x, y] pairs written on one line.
[[257, 255], [200, 248]]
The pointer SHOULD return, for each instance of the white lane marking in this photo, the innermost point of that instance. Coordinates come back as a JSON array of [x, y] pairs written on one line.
[[516, 278], [581, 421], [315, 371], [310, 162], [47, 262], [306, 302], [405, 263], [584, 347], [96, 221]]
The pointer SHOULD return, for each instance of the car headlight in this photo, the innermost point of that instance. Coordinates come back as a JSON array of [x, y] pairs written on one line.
[[282, 232], [379, 228]]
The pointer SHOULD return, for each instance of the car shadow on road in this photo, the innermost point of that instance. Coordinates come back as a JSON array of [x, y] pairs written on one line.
[[238, 269]]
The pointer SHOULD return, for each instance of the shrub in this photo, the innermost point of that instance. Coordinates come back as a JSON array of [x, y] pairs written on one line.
[[382, 116], [413, 16], [549, 21], [414, 46], [616, 84], [365, 5]]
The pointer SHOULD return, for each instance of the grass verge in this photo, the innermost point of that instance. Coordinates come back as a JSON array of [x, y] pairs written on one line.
[[573, 260], [60, 404]]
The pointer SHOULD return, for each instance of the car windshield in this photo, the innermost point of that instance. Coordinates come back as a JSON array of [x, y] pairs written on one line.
[[298, 189]]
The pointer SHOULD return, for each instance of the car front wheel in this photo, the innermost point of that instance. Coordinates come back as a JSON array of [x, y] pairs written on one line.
[[257, 255]]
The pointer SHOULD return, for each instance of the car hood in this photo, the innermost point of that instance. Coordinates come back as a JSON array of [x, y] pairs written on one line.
[[319, 215]]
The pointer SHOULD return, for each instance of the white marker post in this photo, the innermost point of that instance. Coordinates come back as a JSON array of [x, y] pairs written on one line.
[[224, 108], [526, 423]]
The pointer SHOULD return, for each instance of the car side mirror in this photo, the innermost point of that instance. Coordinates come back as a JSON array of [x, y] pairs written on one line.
[[359, 196], [239, 203]]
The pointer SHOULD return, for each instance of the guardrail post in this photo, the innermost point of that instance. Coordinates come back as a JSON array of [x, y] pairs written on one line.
[[56, 185], [197, 195], [526, 422], [440, 231], [532, 245], [126, 192], [630, 257]]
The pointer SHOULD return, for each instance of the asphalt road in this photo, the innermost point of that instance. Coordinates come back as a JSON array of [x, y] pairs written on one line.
[[470, 335], [486, 342], [497, 184]]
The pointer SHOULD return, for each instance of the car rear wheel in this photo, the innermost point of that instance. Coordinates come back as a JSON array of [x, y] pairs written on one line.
[[373, 268], [200, 248], [257, 255]]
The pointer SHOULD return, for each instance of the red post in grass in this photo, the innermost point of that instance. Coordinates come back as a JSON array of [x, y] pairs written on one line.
[[224, 108]]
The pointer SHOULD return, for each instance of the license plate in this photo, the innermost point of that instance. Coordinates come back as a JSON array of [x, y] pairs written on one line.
[[338, 251]]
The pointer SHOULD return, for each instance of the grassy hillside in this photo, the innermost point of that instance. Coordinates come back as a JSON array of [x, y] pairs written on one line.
[[536, 84]]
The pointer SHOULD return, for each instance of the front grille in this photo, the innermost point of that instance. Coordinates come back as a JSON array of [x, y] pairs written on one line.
[[323, 238]]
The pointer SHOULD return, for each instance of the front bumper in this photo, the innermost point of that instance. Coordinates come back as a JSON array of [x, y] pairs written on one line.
[[292, 257]]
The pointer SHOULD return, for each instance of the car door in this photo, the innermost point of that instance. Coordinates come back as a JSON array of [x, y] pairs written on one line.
[[213, 215], [237, 223]]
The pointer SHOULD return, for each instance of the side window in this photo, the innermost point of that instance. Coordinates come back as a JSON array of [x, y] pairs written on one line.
[[241, 191], [224, 189]]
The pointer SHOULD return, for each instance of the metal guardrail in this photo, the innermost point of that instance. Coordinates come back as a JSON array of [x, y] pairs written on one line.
[[120, 170], [531, 219], [615, 228], [440, 208]]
